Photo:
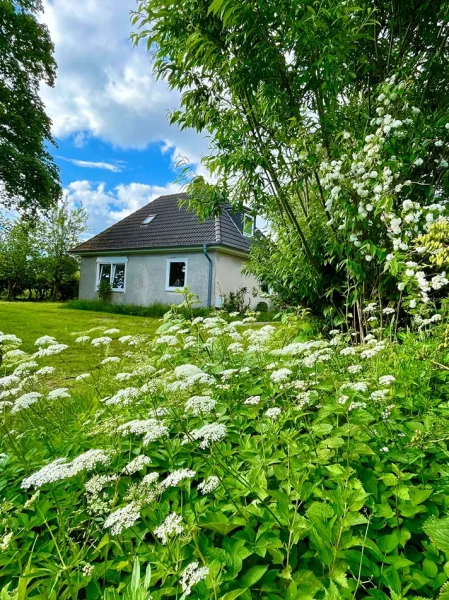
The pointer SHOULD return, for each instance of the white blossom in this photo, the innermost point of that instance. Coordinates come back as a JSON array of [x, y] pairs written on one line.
[[171, 527], [208, 485], [192, 575], [137, 464], [122, 519], [198, 405], [208, 434]]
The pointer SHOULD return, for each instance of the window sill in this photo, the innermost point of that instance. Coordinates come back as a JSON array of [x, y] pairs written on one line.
[[175, 289]]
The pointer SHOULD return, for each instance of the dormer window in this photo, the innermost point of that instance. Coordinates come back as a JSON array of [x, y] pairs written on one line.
[[248, 225], [148, 220]]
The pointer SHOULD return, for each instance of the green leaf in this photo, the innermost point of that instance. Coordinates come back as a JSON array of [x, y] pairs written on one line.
[[253, 575], [233, 594], [438, 532]]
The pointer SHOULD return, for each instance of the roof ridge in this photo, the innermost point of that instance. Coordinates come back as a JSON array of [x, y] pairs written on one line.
[[217, 230]]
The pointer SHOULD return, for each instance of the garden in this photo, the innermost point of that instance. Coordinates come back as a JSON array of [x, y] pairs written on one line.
[[209, 454], [222, 459]]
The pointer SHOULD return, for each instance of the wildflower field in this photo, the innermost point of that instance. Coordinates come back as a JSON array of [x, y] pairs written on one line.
[[219, 460]]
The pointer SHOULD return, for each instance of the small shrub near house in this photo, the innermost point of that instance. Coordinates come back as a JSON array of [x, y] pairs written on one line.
[[222, 460]]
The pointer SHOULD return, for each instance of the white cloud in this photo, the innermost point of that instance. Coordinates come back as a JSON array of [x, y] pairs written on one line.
[[106, 207], [105, 87], [114, 167]]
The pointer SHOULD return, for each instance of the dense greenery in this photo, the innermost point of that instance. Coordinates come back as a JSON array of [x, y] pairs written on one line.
[[326, 117], [34, 256], [29, 176], [232, 460]]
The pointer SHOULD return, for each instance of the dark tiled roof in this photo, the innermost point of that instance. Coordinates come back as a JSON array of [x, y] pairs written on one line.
[[172, 227]]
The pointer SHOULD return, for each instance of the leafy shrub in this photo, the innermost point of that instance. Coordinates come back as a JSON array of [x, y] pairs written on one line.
[[104, 290], [236, 461]]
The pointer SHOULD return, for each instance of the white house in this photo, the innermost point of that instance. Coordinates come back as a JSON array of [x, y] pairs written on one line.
[[164, 247]]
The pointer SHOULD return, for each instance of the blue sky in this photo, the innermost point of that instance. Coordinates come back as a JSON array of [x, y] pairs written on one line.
[[116, 149]]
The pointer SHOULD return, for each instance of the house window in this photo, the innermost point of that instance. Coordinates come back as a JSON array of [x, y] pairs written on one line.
[[112, 270], [176, 274], [248, 225], [148, 220]]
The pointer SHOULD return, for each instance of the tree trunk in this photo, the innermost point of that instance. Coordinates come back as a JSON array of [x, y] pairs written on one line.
[[11, 287], [55, 291]]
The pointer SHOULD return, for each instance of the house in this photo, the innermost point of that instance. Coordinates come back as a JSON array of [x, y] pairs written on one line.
[[164, 247]]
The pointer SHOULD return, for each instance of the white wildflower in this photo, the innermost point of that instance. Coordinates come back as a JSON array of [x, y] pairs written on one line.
[[252, 400], [45, 371], [209, 434], [58, 393], [123, 397], [171, 527], [177, 477], [208, 485], [82, 339], [111, 331], [200, 405], [52, 350], [192, 575], [45, 340], [354, 368], [137, 464], [101, 341], [122, 519], [273, 413], [110, 359], [82, 376], [25, 401], [386, 379], [61, 469], [280, 375]]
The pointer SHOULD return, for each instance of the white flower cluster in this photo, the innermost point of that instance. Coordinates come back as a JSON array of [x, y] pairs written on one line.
[[177, 477], [252, 400], [45, 340], [123, 397], [208, 434], [280, 375], [61, 469], [122, 519], [51, 350], [26, 401], [101, 341], [199, 405], [137, 464], [273, 413], [151, 429], [208, 485], [58, 393], [192, 575], [171, 527]]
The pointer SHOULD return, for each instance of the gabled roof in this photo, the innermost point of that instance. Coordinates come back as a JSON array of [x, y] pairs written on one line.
[[172, 227]]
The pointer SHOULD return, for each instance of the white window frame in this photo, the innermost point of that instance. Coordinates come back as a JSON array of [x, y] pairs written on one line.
[[167, 274], [253, 225], [112, 260]]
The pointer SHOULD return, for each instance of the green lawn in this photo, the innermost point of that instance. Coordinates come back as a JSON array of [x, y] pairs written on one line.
[[30, 320]]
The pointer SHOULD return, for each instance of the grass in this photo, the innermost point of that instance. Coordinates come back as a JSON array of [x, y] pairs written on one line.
[[30, 320]]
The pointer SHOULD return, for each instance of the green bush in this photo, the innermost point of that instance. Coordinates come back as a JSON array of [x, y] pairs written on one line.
[[233, 461]]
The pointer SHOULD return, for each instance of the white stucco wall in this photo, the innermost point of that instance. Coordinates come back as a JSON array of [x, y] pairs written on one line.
[[229, 278], [146, 278]]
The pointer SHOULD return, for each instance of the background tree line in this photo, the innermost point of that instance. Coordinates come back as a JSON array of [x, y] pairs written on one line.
[[34, 254]]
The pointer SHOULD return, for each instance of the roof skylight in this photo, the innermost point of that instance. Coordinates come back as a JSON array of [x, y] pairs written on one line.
[[148, 219]]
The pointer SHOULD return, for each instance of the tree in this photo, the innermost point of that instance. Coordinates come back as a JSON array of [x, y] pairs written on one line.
[[16, 250], [287, 91], [56, 234], [29, 176]]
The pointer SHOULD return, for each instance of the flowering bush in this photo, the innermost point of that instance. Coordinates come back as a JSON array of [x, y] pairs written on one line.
[[289, 467]]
